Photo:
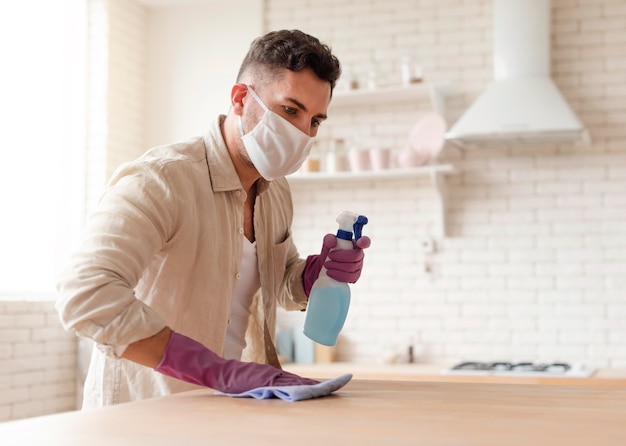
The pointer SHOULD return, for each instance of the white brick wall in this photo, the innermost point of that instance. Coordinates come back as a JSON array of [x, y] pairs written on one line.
[[534, 266], [117, 75], [127, 77], [37, 357], [37, 361]]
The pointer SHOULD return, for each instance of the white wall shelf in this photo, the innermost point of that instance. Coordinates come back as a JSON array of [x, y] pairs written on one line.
[[436, 93], [347, 99], [412, 172], [434, 172]]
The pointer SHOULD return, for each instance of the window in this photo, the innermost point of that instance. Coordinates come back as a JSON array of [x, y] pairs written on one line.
[[42, 109]]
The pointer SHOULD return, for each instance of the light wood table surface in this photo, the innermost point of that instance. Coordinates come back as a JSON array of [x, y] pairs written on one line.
[[364, 412]]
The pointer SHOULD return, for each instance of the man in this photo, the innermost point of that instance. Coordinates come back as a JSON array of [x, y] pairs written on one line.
[[189, 253]]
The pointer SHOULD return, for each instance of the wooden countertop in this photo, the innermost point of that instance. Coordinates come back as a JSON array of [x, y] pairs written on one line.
[[430, 372], [364, 412]]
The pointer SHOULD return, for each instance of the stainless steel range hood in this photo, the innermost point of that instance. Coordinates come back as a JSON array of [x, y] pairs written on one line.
[[522, 105]]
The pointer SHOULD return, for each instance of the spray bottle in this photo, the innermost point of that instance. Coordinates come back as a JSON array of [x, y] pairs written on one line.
[[329, 299]]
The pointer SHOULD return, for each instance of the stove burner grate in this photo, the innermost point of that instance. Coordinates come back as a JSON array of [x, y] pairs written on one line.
[[556, 367]]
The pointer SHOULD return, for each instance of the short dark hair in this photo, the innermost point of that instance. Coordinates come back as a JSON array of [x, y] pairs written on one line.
[[293, 50]]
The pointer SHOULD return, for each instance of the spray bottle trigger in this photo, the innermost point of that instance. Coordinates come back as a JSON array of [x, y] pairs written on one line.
[[360, 221]]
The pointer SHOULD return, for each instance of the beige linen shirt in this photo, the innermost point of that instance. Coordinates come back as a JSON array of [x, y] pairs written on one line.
[[163, 248]]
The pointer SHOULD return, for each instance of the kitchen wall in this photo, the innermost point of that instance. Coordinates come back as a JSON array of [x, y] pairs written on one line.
[[534, 263], [194, 49], [37, 361]]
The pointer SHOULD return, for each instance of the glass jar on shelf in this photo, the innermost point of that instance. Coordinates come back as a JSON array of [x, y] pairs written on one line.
[[411, 71], [336, 156], [312, 163]]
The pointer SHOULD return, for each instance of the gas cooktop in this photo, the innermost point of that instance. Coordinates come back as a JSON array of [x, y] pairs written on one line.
[[557, 369]]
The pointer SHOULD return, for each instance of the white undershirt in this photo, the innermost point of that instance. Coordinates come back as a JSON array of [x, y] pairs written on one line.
[[248, 283]]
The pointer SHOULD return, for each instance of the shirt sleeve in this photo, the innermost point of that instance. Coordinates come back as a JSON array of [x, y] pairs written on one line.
[[131, 224]]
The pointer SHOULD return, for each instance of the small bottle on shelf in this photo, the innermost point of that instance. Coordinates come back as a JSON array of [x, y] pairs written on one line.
[[411, 71], [330, 159], [312, 163]]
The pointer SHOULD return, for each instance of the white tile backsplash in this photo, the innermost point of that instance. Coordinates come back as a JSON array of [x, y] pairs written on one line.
[[534, 262]]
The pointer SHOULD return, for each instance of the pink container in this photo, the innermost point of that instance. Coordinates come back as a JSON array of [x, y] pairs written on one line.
[[359, 160], [380, 159]]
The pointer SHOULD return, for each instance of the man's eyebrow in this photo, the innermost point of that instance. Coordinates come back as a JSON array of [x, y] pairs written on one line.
[[301, 105]]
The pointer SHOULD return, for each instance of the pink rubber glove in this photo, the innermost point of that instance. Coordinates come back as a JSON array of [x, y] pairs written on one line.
[[190, 361], [344, 265]]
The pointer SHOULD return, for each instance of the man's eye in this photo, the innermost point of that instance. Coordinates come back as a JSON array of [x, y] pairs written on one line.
[[316, 122], [290, 110]]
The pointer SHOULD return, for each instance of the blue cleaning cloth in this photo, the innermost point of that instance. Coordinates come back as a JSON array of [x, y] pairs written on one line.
[[296, 393]]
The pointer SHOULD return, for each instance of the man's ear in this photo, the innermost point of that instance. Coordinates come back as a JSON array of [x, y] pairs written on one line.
[[237, 93]]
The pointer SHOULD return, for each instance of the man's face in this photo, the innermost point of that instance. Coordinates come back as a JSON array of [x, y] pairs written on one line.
[[299, 97]]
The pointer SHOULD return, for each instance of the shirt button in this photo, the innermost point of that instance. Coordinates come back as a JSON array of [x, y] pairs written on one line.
[[238, 193], [241, 230], [237, 276]]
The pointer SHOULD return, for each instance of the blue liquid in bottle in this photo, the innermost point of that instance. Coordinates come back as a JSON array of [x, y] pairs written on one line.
[[327, 310]]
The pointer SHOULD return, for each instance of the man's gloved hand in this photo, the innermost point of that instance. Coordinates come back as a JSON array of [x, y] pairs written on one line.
[[190, 361], [343, 265]]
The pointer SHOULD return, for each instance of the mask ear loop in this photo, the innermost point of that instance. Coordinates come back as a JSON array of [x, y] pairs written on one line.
[[259, 101], [257, 98]]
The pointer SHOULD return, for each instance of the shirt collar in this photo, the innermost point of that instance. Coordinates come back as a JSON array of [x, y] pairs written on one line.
[[221, 169]]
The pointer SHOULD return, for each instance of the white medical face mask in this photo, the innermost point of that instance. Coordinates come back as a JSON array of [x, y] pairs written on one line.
[[275, 146]]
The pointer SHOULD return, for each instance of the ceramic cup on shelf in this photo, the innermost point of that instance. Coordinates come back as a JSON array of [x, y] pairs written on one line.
[[380, 158], [359, 160], [408, 158]]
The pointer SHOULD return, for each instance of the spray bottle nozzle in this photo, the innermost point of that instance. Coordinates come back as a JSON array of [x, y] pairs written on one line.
[[350, 223], [360, 221]]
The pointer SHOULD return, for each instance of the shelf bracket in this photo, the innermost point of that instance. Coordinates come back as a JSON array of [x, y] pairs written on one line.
[[437, 99], [439, 185]]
